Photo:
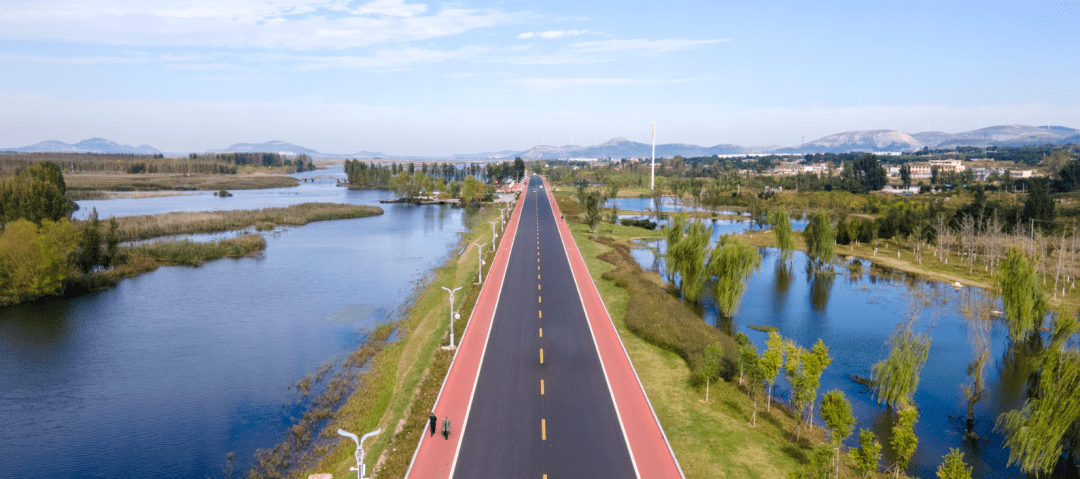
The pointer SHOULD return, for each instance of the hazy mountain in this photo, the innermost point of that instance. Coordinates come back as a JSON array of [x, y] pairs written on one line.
[[867, 140], [623, 148], [510, 154], [1009, 135], [92, 145], [267, 147]]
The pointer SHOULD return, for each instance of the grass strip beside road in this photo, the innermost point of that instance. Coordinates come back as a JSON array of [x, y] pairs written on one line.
[[152, 226]]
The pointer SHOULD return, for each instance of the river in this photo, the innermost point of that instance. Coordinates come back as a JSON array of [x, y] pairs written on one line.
[[167, 373]]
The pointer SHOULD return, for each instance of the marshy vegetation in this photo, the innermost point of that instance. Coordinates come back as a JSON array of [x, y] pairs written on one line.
[[178, 223]]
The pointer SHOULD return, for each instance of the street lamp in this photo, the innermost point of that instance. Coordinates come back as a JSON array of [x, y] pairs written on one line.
[[494, 235], [480, 257], [359, 453], [453, 314]]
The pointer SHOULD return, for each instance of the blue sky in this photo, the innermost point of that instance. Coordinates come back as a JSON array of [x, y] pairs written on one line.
[[417, 78]]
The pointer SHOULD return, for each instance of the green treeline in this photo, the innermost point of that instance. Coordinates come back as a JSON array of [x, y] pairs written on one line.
[[470, 182], [206, 164], [302, 162]]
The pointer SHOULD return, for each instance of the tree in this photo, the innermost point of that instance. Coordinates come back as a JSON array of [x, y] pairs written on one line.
[[35, 260], [836, 411], [868, 173], [868, 453], [803, 370], [519, 169], [904, 441], [953, 467], [35, 194], [90, 254], [1023, 300], [820, 237], [905, 175], [732, 262], [688, 258], [471, 190], [772, 359], [781, 226], [896, 378], [674, 235], [1037, 433], [713, 356], [1038, 205]]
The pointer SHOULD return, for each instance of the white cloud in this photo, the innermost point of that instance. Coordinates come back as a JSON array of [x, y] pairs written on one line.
[[95, 60], [277, 24], [642, 46], [547, 84], [550, 34], [383, 60]]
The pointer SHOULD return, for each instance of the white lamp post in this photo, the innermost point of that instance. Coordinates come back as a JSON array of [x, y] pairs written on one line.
[[480, 257], [453, 314], [359, 453], [494, 235]]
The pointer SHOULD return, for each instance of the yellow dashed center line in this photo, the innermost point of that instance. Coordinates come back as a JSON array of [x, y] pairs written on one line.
[[541, 313], [538, 299], [541, 332], [543, 429], [541, 355], [541, 387]]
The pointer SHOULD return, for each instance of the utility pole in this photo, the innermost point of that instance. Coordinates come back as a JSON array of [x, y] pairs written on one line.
[[652, 173]]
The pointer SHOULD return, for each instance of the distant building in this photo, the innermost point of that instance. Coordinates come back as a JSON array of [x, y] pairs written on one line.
[[900, 190]]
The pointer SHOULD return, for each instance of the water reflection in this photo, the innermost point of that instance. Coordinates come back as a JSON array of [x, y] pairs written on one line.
[[855, 318]]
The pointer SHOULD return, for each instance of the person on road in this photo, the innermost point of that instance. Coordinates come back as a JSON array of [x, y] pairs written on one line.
[[433, 421]]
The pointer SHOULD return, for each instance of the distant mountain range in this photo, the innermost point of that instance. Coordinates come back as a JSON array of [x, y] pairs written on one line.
[[848, 141], [93, 145]]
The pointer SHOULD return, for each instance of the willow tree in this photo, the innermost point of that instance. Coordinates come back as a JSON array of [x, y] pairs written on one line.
[[731, 262], [688, 257], [1022, 298], [820, 238], [1037, 434], [674, 235], [781, 226], [896, 378]]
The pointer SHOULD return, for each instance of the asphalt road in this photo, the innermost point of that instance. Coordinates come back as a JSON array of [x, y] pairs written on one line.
[[542, 407]]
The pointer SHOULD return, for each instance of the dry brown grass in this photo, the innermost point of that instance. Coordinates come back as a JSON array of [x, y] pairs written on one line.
[[157, 182], [152, 226]]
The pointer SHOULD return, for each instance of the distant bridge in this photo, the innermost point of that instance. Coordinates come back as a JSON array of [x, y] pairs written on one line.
[[319, 178]]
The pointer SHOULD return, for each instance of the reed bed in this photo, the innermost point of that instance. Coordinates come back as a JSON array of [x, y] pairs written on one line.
[[152, 226], [159, 182], [190, 253]]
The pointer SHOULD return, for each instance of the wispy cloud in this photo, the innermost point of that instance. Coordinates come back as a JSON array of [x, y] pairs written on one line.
[[276, 24], [608, 50], [547, 84], [382, 60], [550, 34], [101, 59]]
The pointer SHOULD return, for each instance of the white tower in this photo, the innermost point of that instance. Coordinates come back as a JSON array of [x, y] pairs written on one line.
[[652, 172]]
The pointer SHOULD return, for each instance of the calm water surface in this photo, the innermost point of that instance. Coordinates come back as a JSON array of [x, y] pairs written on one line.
[[854, 315], [165, 374]]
